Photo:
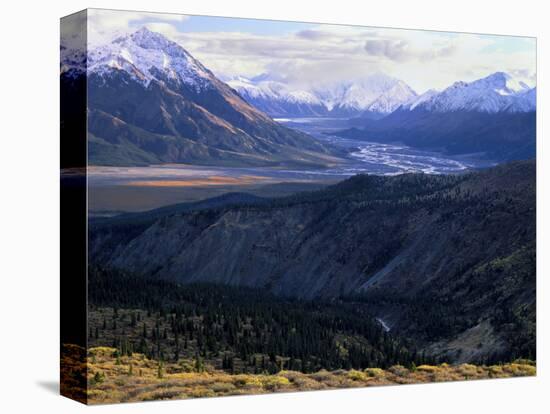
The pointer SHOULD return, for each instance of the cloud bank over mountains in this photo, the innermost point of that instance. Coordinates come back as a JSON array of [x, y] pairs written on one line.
[[305, 54]]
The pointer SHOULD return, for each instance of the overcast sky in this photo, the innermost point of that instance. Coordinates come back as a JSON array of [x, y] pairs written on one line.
[[309, 54]]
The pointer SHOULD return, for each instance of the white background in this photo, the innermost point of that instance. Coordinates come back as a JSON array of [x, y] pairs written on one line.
[[29, 207]]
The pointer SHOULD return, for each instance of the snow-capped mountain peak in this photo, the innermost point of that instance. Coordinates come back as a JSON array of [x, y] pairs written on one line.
[[269, 89], [374, 93], [391, 99], [147, 55], [147, 39]]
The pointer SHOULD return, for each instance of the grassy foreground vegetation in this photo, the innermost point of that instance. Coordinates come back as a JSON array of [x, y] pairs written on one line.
[[113, 378]]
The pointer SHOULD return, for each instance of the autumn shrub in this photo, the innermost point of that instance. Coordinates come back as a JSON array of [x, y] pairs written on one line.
[[375, 372], [322, 375], [495, 371], [222, 387], [519, 370], [524, 362], [400, 370], [200, 393], [247, 381], [273, 383], [358, 376], [428, 368], [467, 370], [163, 394], [108, 382]]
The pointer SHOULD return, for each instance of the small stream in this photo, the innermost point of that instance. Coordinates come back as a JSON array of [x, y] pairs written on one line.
[[383, 324]]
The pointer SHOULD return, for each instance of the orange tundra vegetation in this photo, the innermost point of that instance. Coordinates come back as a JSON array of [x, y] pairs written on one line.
[[112, 378]]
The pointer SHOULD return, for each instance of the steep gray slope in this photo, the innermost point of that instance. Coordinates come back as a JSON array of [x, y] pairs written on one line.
[[341, 238]]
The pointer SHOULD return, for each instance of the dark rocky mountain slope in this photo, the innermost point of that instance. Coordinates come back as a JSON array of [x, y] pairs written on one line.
[[496, 136]]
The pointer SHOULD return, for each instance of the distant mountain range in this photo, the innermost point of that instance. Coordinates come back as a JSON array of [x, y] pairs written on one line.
[[494, 117], [150, 101], [378, 95], [375, 96]]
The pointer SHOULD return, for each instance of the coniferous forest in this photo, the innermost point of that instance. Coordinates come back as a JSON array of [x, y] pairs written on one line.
[[237, 329]]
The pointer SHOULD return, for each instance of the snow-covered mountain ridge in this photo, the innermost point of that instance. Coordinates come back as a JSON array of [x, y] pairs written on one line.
[[374, 93], [498, 92], [146, 55]]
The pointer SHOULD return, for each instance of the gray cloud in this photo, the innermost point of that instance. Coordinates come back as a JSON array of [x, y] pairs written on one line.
[[327, 53], [313, 34], [307, 74], [334, 35], [442, 52], [246, 45], [401, 51], [397, 50], [524, 73]]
